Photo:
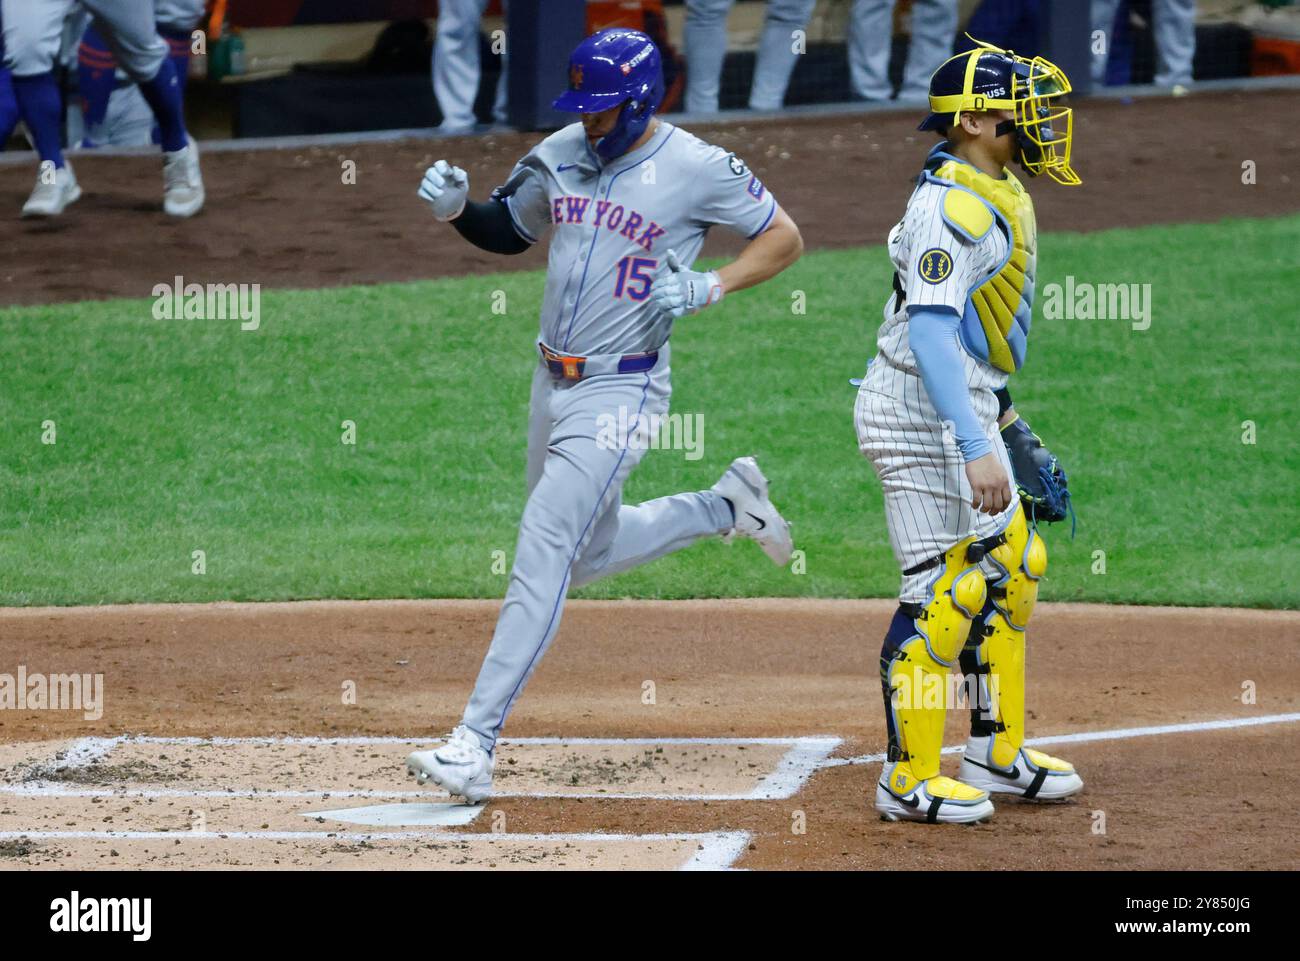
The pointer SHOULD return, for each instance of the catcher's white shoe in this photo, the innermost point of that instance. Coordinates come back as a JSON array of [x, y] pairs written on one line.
[[183, 193], [52, 194], [900, 796], [460, 766], [756, 517], [1034, 776]]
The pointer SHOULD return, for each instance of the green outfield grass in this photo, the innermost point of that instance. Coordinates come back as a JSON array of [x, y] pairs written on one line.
[[174, 436]]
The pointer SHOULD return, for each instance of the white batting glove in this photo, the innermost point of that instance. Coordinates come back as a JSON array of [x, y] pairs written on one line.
[[677, 291], [445, 188]]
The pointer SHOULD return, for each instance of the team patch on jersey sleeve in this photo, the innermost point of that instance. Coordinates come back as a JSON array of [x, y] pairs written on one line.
[[737, 165], [755, 188], [934, 266]]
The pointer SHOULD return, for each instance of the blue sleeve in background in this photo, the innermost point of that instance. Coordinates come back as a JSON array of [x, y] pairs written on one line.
[[932, 334]]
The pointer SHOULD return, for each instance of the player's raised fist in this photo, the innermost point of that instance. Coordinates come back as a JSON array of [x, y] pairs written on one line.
[[445, 188], [678, 291]]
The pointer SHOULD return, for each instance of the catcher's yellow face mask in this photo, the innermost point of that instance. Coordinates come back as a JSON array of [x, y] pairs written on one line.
[[1044, 129]]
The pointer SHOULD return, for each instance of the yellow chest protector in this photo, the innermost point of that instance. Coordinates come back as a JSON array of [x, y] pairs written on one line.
[[995, 325]]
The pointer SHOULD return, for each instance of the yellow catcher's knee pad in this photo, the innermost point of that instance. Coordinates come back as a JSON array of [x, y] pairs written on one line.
[[956, 597], [915, 676], [1023, 556], [1001, 654]]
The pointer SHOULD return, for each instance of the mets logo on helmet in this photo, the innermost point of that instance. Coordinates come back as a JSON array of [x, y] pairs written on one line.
[[934, 266], [575, 76]]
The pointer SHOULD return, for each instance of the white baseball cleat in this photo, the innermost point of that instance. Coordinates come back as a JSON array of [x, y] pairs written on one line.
[[1034, 776], [460, 766], [756, 517], [52, 194], [901, 796], [183, 193]]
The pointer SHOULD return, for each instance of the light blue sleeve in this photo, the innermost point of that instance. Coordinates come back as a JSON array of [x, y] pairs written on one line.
[[932, 334]]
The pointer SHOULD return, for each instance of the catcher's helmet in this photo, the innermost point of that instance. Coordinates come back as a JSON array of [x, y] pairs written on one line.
[[988, 78], [612, 67]]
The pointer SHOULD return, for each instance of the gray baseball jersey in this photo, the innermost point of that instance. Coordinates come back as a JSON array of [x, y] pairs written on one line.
[[610, 228], [612, 225]]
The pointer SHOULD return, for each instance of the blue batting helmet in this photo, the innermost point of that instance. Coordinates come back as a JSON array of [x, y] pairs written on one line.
[[612, 67]]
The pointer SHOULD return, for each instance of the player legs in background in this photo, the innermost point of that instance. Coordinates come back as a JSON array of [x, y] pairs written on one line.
[[128, 25], [1103, 14], [8, 108], [97, 84], [1174, 26], [871, 29], [1175, 29], [176, 20], [934, 25], [706, 47], [33, 30], [456, 67], [32, 34], [8, 105], [776, 52], [114, 111]]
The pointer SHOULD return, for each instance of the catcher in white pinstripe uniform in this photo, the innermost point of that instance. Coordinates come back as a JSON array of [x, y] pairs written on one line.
[[935, 419]]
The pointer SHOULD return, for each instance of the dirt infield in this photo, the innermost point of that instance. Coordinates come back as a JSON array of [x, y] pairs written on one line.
[[285, 219], [690, 734], [226, 739]]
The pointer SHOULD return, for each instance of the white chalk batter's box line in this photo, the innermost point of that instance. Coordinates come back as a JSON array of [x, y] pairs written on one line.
[[1115, 734], [715, 850], [805, 755]]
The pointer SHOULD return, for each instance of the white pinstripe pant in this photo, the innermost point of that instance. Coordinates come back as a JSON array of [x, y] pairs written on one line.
[[927, 495]]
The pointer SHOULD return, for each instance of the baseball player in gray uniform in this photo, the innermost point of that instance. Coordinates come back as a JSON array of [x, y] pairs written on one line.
[[628, 199], [32, 37]]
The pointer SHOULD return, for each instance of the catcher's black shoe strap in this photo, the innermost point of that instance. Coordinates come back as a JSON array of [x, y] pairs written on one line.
[[1037, 784], [932, 813]]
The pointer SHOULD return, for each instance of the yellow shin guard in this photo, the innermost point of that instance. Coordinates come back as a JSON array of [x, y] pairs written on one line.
[[920, 648], [995, 652]]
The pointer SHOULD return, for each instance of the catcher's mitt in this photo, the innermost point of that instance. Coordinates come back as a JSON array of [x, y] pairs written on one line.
[[1040, 479]]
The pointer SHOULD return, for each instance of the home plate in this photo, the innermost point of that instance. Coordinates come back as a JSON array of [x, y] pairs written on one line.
[[397, 815]]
